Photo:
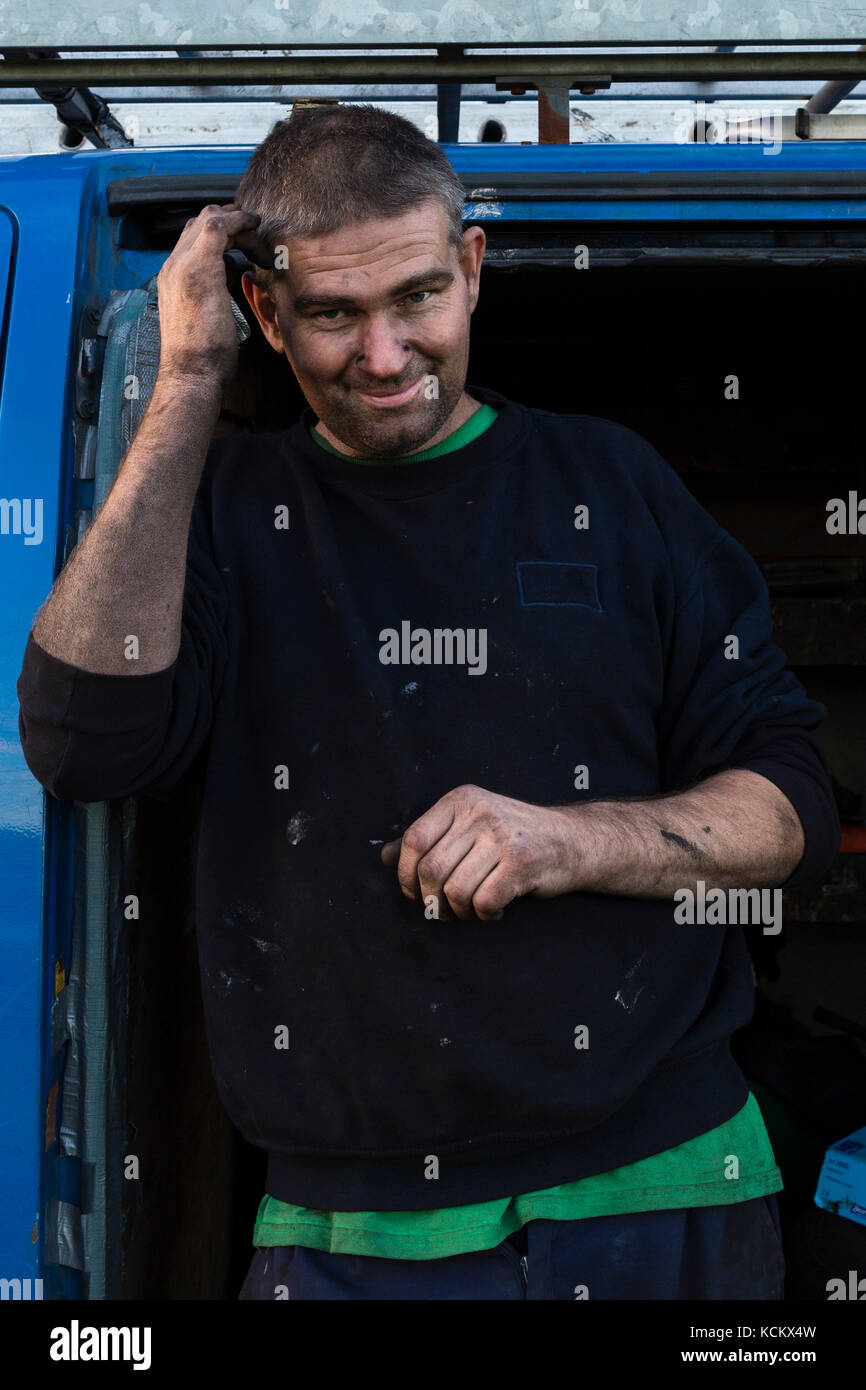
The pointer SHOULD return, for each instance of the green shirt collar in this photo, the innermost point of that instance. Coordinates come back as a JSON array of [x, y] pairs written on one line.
[[469, 430]]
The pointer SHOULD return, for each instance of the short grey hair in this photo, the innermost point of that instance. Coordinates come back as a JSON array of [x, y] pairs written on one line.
[[329, 166]]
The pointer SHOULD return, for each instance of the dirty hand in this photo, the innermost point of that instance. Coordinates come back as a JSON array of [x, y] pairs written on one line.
[[475, 852], [198, 335]]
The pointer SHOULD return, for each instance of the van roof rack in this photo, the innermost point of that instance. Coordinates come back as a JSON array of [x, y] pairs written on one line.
[[552, 52]]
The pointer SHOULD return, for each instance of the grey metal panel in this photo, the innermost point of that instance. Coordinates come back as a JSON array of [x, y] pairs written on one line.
[[129, 24]]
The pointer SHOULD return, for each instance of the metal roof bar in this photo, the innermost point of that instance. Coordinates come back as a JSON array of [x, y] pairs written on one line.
[[578, 70], [426, 93], [829, 96]]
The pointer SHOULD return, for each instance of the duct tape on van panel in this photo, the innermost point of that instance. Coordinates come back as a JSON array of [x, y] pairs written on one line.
[[64, 1244], [59, 1032]]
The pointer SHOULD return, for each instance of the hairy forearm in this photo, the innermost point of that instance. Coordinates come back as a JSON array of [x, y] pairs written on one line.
[[125, 578], [734, 830]]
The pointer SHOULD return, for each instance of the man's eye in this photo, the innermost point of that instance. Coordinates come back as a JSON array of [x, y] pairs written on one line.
[[331, 315]]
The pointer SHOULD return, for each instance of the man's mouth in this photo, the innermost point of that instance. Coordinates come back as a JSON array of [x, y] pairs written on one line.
[[391, 398]]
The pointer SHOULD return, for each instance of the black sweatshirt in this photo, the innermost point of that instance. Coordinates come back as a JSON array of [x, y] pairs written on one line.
[[352, 1037]]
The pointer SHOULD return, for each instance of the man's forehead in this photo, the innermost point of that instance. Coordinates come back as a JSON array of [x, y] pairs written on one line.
[[369, 251]]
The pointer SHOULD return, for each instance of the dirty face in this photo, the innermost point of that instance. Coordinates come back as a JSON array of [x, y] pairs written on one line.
[[374, 320]]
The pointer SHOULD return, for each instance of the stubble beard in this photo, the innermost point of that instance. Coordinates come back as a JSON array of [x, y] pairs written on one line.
[[404, 430]]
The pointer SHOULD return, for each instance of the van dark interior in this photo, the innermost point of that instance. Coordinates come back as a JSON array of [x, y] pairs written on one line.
[[649, 335]]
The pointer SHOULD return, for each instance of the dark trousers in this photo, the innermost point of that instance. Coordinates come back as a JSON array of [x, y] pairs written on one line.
[[724, 1252]]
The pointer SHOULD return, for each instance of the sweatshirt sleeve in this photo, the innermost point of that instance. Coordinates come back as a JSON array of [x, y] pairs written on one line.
[[94, 737], [734, 704]]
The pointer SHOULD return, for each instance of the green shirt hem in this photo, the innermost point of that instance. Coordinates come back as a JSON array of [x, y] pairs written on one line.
[[684, 1176]]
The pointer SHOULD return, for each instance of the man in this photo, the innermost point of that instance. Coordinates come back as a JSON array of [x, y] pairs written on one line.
[[478, 694]]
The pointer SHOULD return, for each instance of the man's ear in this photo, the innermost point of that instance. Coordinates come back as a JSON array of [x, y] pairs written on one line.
[[263, 305], [471, 255]]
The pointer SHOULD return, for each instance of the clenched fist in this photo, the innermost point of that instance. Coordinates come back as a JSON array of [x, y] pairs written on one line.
[[475, 852]]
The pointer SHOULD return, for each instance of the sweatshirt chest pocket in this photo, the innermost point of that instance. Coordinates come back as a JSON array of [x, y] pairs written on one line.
[[549, 583], [562, 629], [555, 629]]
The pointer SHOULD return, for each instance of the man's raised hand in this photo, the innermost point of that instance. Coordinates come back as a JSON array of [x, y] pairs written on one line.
[[198, 333]]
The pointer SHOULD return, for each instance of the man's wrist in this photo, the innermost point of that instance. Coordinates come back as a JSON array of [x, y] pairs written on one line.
[[602, 843], [173, 381]]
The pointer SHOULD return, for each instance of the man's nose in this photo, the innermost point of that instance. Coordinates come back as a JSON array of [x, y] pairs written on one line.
[[383, 351]]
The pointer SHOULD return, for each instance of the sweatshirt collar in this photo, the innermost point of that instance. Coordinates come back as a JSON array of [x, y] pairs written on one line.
[[407, 477]]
